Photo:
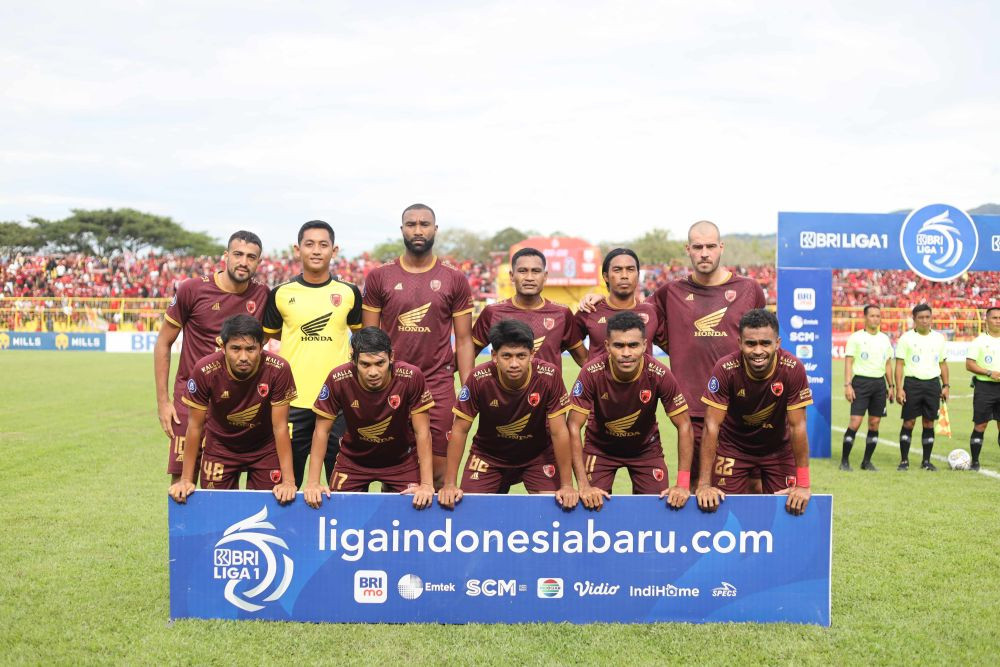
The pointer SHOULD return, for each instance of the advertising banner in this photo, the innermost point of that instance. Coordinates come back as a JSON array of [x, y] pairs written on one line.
[[804, 317], [498, 559], [569, 261], [20, 340]]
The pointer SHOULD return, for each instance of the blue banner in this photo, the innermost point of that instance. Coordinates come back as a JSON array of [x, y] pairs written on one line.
[[498, 559], [20, 340], [938, 242], [804, 315]]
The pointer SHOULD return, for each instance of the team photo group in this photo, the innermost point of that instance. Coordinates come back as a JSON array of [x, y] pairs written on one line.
[[363, 391]]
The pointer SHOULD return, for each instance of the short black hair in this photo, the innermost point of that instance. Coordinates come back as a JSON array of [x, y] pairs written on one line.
[[626, 321], [316, 224], [527, 252], [244, 235], [242, 325], [758, 318], [615, 253], [370, 340], [512, 333], [991, 308], [869, 307], [419, 207], [921, 307]]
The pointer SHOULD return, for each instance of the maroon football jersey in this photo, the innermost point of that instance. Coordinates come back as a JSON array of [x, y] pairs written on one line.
[[239, 411], [756, 410], [200, 307], [379, 433], [512, 422], [417, 311], [700, 325], [595, 325], [622, 415], [551, 324]]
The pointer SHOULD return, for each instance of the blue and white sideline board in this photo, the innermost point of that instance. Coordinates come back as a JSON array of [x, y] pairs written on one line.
[[369, 558]]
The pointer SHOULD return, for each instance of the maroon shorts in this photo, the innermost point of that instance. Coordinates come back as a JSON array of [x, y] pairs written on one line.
[[175, 458], [441, 415], [538, 475], [348, 476], [649, 473], [734, 468], [221, 467]]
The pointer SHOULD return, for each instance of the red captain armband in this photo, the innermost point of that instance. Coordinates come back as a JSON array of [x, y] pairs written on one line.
[[684, 478], [802, 477]]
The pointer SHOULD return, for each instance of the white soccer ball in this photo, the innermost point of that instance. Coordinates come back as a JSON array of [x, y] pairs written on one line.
[[959, 459]]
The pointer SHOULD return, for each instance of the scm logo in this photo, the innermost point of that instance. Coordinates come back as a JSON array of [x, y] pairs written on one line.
[[492, 587]]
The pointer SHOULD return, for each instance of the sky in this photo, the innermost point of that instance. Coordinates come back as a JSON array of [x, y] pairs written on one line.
[[599, 119]]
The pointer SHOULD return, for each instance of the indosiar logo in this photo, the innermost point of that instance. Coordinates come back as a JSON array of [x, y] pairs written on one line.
[[939, 242], [245, 559]]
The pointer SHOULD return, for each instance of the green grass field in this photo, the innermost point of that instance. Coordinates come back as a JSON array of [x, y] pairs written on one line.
[[83, 554]]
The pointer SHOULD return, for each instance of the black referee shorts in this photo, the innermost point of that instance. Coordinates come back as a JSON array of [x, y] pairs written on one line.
[[870, 395], [923, 398], [985, 401], [303, 422]]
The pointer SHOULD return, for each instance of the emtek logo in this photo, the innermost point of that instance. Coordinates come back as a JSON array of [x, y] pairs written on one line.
[[550, 588], [370, 586], [939, 242], [804, 298]]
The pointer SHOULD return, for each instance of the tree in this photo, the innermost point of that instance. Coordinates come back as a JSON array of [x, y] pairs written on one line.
[[462, 244], [16, 238], [505, 238], [387, 250]]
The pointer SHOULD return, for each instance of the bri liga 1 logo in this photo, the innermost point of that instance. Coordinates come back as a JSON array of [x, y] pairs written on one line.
[[939, 242], [245, 559]]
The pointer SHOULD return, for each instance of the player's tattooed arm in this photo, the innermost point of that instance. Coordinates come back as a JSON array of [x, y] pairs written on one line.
[[798, 495], [450, 494], [709, 497], [423, 495], [161, 375], [314, 491], [284, 490], [184, 487]]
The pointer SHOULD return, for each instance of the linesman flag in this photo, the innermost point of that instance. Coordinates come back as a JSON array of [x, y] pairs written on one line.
[[943, 425]]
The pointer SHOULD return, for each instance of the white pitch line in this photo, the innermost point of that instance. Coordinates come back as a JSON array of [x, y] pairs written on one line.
[[914, 450]]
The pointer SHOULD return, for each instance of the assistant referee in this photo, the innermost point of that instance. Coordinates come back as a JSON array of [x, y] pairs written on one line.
[[868, 356], [313, 314], [921, 368]]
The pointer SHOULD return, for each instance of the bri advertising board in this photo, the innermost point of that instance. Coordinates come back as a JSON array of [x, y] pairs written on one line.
[[498, 559]]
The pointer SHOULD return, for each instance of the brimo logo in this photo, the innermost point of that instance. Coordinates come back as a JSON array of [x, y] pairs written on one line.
[[939, 242], [244, 564]]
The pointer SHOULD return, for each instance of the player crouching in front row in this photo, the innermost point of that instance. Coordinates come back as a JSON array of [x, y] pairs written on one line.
[[521, 402], [619, 391], [385, 404], [240, 396], [756, 419]]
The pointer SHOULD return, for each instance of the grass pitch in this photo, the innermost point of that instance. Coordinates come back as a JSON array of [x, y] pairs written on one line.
[[83, 548]]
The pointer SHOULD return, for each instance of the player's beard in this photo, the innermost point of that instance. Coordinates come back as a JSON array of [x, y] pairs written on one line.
[[428, 245], [235, 279]]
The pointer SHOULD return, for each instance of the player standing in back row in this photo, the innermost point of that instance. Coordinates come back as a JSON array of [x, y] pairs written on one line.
[[867, 374], [199, 308], [551, 323], [418, 299]]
